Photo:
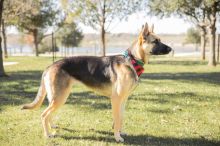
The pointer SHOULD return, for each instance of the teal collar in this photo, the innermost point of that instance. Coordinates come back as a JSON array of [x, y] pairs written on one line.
[[137, 64], [127, 54]]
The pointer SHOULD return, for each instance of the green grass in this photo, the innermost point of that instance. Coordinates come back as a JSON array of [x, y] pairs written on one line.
[[176, 103]]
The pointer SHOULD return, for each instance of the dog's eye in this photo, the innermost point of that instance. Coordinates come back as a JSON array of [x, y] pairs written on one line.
[[155, 41], [145, 38]]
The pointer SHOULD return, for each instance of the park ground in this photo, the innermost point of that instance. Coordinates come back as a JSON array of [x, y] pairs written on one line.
[[177, 103]]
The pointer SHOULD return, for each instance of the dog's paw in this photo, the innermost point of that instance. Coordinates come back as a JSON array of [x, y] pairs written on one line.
[[119, 139], [54, 126], [51, 136]]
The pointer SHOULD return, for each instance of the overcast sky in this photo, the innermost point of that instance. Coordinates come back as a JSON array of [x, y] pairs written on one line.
[[133, 25], [171, 25]]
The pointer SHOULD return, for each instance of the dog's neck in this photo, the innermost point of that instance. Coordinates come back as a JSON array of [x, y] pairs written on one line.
[[138, 53], [137, 63]]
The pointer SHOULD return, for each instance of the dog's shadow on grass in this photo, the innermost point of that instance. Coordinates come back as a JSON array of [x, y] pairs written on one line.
[[104, 138], [90, 100], [161, 141], [144, 140]]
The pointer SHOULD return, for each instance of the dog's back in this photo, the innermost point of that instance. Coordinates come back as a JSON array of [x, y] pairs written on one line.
[[90, 70]]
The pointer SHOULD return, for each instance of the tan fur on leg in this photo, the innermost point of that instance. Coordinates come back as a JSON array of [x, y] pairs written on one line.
[[116, 111], [45, 121], [58, 87]]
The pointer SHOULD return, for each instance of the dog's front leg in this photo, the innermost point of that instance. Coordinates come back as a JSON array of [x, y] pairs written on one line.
[[122, 133], [117, 115], [122, 118]]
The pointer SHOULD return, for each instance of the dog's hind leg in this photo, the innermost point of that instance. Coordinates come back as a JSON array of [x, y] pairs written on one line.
[[45, 119], [46, 116], [58, 87]]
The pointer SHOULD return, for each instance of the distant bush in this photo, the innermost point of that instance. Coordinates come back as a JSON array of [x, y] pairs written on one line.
[[69, 35], [193, 37], [46, 46]]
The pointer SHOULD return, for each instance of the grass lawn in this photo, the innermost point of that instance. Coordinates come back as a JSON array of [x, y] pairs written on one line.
[[176, 103]]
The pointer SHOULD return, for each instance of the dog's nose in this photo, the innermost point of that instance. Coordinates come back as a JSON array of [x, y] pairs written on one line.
[[169, 49]]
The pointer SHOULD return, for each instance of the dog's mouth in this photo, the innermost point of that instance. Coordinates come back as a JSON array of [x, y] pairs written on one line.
[[161, 49]]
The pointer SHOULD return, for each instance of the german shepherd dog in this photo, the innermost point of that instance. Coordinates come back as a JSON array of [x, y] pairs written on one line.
[[112, 76]]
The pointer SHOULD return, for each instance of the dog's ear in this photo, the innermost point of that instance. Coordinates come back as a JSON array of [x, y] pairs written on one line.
[[145, 29], [152, 28]]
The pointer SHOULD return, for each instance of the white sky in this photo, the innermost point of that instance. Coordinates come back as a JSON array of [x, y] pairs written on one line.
[[134, 22], [171, 25]]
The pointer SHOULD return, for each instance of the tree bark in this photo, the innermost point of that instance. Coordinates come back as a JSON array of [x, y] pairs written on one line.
[[212, 30], [203, 42], [212, 61], [218, 42], [103, 30], [4, 39], [2, 71], [35, 35], [103, 40]]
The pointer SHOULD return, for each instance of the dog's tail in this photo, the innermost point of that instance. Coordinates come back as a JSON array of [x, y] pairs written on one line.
[[39, 98]]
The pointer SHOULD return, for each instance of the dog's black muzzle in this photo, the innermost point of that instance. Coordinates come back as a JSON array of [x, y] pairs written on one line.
[[160, 49]]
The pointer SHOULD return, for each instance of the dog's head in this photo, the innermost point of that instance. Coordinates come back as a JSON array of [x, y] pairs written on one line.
[[150, 43]]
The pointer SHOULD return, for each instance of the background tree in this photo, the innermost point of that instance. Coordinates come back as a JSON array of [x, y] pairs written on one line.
[[12, 10], [47, 46], [100, 14], [4, 39], [69, 35], [193, 11], [2, 71], [201, 12], [213, 7], [193, 36], [9, 10], [37, 22]]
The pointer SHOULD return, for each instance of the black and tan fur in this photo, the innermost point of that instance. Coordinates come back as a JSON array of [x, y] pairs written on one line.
[[112, 76]]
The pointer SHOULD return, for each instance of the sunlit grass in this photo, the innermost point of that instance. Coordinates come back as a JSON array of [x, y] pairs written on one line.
[[176, 103]]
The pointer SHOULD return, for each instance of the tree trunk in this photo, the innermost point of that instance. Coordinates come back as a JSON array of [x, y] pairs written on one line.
[[4, 39], [35, 35], [203, 42], [103, 29], [2, 71], [212, 61], [103, 40], [212, 30], [218, 45]]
